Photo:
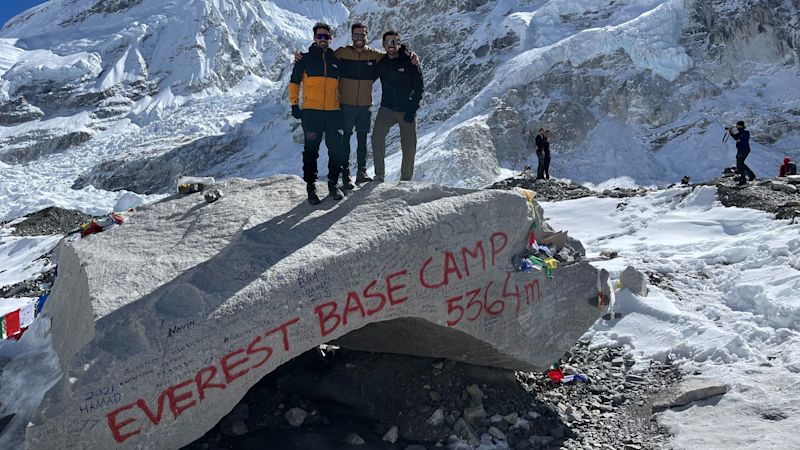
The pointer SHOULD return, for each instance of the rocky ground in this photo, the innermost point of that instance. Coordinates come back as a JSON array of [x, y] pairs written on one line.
[[47, 221], [337, 399], [51, 220], [775, 195], [556, 190], [36, 287]]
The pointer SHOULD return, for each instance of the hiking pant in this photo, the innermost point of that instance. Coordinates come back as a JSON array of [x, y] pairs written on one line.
[[741, 167], [385, 120], [543, 169], [357, 117], [317, 123]]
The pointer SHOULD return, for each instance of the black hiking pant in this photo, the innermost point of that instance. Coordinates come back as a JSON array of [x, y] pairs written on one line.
[[741, 167], [543, 169], [357, 117], [317, 123]]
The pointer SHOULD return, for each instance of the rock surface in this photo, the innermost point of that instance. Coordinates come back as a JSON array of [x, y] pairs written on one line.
[[756, 195], [162, 325], [634, 281], [688, 391]]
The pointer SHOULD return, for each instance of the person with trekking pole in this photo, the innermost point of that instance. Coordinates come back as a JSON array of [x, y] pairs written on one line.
[[742, 138]]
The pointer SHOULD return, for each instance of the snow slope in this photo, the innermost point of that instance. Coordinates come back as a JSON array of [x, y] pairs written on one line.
[[636, 91], [729, 307]]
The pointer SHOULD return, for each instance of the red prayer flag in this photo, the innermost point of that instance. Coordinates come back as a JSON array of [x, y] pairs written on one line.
[[12, 323]]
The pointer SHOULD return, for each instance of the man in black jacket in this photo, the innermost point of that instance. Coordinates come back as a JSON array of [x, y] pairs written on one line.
[[543, 154], [742, 138], [401, 85]]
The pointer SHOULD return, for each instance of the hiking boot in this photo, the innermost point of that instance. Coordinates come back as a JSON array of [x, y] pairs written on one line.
[[752, 177], [347, 183], [362, 177], [378, 178], [742, 182], [312, 194], [334, 192]]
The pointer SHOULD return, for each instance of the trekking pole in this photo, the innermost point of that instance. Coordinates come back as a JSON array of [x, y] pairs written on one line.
[[725, 136]]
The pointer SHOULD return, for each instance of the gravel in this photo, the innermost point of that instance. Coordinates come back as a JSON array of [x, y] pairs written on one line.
[[376, 394], [51, 220], [556, 190]]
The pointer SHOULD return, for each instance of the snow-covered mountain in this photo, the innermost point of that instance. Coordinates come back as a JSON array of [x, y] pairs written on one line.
[[110, 95]]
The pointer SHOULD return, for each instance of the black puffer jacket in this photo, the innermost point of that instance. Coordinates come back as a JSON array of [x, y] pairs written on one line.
[[401, 83]]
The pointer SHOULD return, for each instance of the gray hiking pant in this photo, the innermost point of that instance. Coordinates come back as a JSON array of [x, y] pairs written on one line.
[[384, 121]]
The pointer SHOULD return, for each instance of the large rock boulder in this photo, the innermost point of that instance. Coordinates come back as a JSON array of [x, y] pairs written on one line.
[[164, 323]]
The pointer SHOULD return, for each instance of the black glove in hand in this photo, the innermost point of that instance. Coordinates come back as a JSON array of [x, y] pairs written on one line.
[[409, 116], [297, 113]]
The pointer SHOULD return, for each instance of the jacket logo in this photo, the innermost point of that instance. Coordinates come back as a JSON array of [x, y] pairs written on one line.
[[369, 63], [401, 69], [334, 66]]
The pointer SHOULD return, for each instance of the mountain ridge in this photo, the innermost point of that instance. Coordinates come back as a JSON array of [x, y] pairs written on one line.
[[637, 92]]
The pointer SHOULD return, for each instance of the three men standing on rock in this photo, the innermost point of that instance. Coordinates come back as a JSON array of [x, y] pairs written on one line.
[[355, 67]]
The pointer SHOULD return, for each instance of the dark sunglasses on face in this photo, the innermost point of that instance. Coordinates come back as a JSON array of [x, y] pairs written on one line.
[[323, 37], [391, 41], [359, 35]]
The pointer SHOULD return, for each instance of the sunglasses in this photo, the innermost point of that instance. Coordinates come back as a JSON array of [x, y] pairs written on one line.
[[391, 41], [323, 37], [359, 35]]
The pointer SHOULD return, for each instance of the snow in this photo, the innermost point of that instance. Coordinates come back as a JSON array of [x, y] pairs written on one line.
[[8, 54], [39, 66], [77, 122], [33, 367], [19, 257], [651, 39], [732, 311], [130, 67], [32, 370]]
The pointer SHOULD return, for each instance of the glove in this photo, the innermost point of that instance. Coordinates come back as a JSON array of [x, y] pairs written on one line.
[[409, 116], [297, 113]]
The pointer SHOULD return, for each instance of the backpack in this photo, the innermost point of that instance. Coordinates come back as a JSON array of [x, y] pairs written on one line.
[[791, 168]]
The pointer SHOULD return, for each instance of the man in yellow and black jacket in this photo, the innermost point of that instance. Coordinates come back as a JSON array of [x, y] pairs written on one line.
[[318, 73]]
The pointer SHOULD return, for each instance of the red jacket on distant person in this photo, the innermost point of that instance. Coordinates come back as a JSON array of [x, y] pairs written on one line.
[[784, 170]]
